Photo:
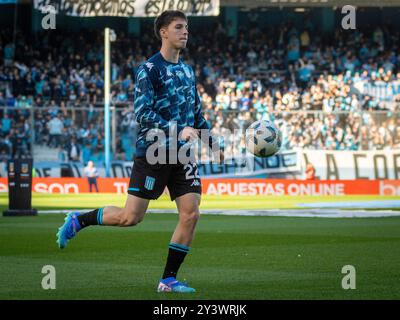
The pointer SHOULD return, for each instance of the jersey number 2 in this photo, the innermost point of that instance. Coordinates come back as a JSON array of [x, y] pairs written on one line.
[[192, 168]]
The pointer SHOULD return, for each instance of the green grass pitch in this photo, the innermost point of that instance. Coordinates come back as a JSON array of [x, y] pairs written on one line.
[[232, 257]]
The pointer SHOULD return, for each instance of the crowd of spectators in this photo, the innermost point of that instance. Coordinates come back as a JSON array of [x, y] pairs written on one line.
[[338, 93]]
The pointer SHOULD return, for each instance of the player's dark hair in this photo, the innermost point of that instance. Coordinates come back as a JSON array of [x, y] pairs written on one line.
[[165, 18]]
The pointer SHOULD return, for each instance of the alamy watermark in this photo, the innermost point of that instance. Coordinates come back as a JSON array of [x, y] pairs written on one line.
[[349, 20], [349, 280], [168, 146], [49, 280], [49, 20]]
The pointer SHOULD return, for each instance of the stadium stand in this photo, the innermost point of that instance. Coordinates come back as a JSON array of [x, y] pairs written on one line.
[[341, 94]]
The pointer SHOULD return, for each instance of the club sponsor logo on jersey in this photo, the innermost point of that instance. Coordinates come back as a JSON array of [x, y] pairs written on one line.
[[169, 72]]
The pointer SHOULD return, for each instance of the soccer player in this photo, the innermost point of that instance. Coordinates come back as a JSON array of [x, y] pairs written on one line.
[[165, 98]]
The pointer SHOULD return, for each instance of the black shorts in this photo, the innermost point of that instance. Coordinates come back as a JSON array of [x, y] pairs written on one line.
[[148, 181]]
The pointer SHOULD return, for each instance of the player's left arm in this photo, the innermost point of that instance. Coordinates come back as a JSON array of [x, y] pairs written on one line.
[[201, 123]]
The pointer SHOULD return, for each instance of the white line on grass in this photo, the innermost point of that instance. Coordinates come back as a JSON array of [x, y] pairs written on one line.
[[309, 213]]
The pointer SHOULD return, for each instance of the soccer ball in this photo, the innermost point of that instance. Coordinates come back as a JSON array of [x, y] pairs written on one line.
[[263, 138]]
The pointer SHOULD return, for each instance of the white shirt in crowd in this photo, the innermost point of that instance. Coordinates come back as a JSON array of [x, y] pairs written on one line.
[[55, 126], [74, 151]]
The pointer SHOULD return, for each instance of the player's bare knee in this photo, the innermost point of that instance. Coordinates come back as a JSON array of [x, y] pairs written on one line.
[[191, 216], [129, 219]]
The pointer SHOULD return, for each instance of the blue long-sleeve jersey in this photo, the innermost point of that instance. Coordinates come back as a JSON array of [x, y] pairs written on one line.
[[166, 97]]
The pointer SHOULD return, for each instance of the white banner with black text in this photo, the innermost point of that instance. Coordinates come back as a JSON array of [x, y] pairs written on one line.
[[128, 8]]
